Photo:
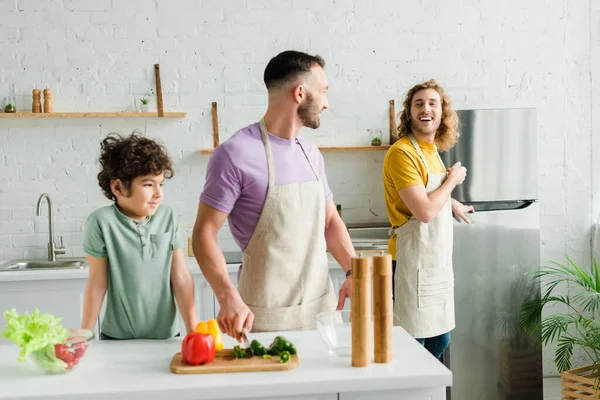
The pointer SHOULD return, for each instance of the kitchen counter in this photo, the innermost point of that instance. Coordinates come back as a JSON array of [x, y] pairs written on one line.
[[233, 262], [139, 369]]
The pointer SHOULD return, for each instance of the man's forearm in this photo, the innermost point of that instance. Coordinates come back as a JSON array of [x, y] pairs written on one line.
[[212, 264], [439, 197], [339, 243]]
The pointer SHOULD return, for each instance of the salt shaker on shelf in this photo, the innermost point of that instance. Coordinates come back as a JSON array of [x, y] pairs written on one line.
[[36, 105], [47, 101]]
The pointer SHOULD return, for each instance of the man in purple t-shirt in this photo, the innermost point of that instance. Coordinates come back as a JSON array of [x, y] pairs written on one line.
[[270, 184]]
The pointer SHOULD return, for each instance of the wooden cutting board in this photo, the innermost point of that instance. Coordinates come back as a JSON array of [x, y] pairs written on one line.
[[226, 362]]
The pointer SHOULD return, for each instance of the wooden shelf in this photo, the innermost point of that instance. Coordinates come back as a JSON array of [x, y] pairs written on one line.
[[92, 115], [330, 149]]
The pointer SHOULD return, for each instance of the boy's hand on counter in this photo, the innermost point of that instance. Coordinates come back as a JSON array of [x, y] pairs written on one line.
[[235, 315], [345, 292]]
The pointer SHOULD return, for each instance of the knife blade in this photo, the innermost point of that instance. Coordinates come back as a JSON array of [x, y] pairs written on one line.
[[246, 340]]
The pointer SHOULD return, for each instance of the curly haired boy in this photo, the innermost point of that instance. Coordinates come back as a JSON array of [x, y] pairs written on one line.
[[133, 247]]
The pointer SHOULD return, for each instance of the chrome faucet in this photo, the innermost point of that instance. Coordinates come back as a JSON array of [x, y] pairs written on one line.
[[52, 249]]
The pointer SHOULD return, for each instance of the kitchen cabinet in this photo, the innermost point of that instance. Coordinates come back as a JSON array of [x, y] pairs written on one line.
[[62, 298], [61, 293], [204, 300], [437, 393]]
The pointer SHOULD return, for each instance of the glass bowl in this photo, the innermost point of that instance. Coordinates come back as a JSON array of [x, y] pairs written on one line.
[[64, 357], [335, 330]]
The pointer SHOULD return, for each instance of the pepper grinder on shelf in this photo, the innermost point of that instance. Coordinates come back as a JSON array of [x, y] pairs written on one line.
[[360, 312], [47, 101], [36, 105], [383, 313]]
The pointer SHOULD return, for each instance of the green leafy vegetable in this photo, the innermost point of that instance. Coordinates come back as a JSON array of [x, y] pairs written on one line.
[[47, 360], [33, 332], [239, 352]]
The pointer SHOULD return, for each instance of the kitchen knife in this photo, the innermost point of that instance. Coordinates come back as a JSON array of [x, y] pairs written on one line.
[[246, 340]]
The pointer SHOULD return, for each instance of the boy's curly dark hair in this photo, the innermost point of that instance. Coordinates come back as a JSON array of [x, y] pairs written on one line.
[[126, 158]]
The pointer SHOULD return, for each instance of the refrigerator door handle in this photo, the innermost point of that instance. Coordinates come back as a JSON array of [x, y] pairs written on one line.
[[500, 205]]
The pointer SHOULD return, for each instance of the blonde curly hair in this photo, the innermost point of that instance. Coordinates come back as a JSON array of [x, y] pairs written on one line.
[[447, 134]]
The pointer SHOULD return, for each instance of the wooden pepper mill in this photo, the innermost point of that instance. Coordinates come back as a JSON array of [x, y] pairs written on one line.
[[47, 101], [360, 313], [36, 105], [383, 313]]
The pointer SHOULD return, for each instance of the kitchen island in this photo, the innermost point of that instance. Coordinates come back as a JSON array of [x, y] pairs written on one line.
[[139, 369]]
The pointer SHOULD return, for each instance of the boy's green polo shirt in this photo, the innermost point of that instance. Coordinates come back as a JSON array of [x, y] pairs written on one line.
[[139, 301]]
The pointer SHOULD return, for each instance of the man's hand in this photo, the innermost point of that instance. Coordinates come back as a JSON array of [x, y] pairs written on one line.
[[460, 210], [457, 173], [345, 292], [233, 316]]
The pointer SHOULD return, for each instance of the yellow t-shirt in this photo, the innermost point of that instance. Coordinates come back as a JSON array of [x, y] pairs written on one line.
[[403, 167]]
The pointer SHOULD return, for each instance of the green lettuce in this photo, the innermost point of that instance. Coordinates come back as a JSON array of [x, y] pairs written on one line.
[[32, 332], [47, 360]]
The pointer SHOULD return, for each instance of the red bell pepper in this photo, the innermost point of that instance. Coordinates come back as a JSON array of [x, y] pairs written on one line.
[[198, 348]]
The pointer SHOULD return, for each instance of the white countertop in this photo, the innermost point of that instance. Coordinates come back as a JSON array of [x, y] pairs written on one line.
[[139, 369], [40, 275]]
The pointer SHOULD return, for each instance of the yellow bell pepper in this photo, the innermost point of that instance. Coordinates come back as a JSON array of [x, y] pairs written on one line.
[[211, 326]]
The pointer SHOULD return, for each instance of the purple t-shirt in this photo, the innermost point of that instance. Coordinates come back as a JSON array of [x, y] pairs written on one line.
[[237, 176]]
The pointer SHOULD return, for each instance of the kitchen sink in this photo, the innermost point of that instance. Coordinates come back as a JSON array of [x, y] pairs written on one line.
[[369, 237], [36, 265], [369, 244]]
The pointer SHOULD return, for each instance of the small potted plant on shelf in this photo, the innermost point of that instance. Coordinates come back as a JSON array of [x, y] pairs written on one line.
[[375, 137], [575, 325], [144, 100], [10, 108]]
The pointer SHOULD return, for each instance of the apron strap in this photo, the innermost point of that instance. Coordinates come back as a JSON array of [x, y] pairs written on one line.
[[270, 159], [308, 159], [418, 148], [267, 143]]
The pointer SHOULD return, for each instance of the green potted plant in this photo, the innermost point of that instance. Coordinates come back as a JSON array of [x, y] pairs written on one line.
[[10, 108], [144, 100], [576, 326], [375, 135], [520, 359]]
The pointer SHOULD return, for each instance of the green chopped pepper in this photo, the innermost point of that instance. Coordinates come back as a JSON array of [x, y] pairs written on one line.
[[279, 345], [265, 356], [257, 348], [239, 352], [284, 357]]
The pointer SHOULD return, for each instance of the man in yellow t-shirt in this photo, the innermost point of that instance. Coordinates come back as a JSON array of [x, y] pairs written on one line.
[[417, 189]]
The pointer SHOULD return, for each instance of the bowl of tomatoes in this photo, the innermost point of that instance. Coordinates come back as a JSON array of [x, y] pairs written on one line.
[[64, 357]]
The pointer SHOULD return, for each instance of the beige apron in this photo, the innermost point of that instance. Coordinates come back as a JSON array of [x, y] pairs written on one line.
[[424, 279], [285, 277]]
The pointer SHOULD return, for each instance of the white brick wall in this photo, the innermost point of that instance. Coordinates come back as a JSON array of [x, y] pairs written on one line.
[[99, 55]]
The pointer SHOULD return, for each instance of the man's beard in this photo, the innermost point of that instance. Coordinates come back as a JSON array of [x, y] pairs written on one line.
[[428, 131], [309, 113]]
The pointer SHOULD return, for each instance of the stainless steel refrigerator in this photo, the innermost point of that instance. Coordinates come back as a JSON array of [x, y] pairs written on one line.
[[495, 257]]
